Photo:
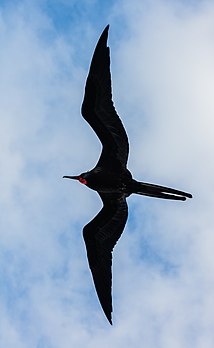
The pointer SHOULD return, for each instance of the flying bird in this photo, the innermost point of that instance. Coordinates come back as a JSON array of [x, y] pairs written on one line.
[[110, 177]]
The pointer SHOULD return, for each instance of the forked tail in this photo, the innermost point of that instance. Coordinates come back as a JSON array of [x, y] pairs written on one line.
[[158, 191]]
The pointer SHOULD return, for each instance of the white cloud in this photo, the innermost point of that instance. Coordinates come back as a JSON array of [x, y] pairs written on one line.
[[162, 68]]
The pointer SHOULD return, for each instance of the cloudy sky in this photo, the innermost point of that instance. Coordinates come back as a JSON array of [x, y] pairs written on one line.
[[162, 63]]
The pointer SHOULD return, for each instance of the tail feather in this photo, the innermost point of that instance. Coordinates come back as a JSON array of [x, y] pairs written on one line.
[[158, 191]]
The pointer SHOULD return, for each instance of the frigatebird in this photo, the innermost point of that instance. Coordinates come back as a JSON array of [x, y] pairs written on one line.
[[110, 177]]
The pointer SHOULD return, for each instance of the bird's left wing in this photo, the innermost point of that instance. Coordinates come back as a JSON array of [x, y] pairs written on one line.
[[101, 235]]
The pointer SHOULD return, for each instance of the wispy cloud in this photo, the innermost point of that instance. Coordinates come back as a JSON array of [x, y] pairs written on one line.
[[162, 66]]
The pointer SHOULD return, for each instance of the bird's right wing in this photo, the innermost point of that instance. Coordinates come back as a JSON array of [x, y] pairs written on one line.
[[98, 108], [101, 235]]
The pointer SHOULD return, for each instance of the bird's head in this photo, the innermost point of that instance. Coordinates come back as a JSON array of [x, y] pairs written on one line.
[[82, 178]]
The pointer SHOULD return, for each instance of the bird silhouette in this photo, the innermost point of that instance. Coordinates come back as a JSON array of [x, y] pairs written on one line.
[[110, 177]]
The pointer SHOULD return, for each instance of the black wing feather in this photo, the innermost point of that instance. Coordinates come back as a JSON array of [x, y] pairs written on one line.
[[98, 108], [100, 235]]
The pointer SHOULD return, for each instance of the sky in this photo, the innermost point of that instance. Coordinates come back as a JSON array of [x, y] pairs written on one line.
[[162, 64]]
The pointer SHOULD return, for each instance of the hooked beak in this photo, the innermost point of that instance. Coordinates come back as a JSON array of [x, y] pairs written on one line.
[[71, 177]]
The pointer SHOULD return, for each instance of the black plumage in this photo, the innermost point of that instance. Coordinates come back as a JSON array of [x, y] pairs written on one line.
[[110, 177]]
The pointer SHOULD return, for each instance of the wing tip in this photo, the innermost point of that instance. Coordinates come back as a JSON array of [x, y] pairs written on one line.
[[104, 35], [108, 316], [100, 48], [107, 27], [110, 321]]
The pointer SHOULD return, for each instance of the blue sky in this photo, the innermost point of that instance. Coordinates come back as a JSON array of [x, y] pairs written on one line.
[[162, 67]]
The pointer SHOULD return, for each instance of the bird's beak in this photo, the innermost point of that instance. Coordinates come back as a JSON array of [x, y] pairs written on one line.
[[71, 177]]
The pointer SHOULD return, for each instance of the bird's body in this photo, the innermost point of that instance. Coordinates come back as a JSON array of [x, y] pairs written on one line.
[[110, 177], [106, 181]]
